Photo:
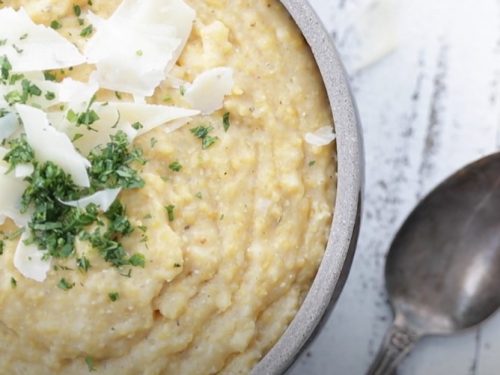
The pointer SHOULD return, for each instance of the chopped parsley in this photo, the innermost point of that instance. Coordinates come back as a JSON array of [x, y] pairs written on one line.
[[77, 10], [202, 132], [87, 31], [114, 296], [312, 162], [56, 25], [118, 95], [139, 52], [83, 264], [24, 36], [170, 212], [87, 117], [137, 260], [3, 42], [175, 166], [90, 363], [65, 284], [152, 142], [54, 227], [49, 95], [112, 164], [49, 76], [2, 247], [137, 125], [14, 78], [5, 67], [182, 90], [199, 195], [226, 121], [13, 283], [28, 90], [20, 153]]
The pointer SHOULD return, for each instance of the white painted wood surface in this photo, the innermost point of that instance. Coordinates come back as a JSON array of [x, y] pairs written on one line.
[[427, 108]]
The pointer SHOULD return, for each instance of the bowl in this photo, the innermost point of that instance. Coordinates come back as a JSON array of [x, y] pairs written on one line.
[[339, 253]]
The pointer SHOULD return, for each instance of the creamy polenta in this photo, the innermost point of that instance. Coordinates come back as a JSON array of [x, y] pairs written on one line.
[[232, 234]]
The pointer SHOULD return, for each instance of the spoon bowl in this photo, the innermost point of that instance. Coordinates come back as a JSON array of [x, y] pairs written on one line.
[[443, 267]]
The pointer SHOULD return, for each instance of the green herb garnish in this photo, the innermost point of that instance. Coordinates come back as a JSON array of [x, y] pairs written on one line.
[[20, 153], [170, 212], [175, 166], [49, 95], [83, 264], [137, 125], [112, 164], [87, 31], [5, 67], [64, 284], [49, 76], [56, 25], [226, 121], [202, 132], [77, 10], [137, 260], [13, 283], [114, 296], [90, 363]]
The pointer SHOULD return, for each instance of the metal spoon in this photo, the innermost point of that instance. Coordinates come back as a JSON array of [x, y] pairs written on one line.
[[443, 268]]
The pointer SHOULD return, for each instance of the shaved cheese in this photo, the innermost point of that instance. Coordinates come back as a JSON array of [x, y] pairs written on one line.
[[12, 190], [49, 144], [118, 116], [8, 125], [23, 170], [321, 137], [104, 199], [42, 47], [138, 44], [28, 260], [209, 89], [176, 124], [71, 91]]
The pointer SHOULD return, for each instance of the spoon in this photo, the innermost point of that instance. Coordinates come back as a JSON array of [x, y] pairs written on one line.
[[443, 267]]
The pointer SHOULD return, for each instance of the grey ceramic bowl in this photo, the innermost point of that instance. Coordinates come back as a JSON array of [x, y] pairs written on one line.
[[337, 260]]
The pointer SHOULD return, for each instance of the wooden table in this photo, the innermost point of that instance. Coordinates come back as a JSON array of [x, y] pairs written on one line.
[[426, 76]]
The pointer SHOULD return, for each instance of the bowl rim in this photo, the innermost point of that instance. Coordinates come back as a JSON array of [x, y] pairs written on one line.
[[342, 240]]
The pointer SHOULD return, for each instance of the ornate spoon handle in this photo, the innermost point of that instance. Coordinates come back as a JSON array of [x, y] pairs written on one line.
[[397, 343]]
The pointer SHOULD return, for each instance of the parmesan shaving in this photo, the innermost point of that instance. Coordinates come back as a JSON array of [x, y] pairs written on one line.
[[8, 125], [321, 137], [209, 89], [10, 198], [138, 44], [29, 260], [23, 170], [42, 47], [71, 91], [117, 116], [49, 144]]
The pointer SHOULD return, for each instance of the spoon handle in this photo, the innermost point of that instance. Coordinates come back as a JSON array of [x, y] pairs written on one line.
[[398, 342]]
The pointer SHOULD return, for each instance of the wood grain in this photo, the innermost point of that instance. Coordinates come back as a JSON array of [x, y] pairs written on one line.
[[427, 108]]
